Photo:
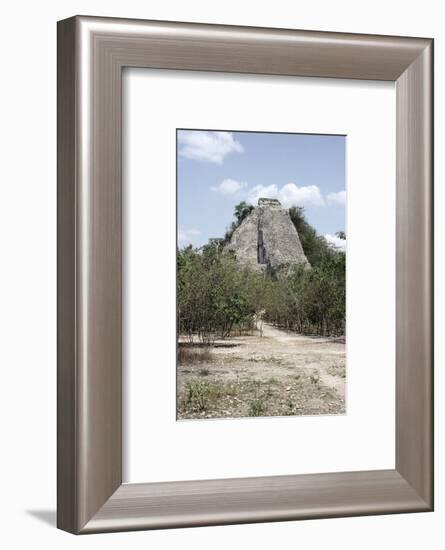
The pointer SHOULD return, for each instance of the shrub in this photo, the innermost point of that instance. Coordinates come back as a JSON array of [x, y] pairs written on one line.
[[257, 407]]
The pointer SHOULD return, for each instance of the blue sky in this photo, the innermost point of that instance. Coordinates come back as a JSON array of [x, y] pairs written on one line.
[[217, 170]]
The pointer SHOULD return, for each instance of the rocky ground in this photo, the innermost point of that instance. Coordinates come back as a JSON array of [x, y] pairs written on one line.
[[278, 374]]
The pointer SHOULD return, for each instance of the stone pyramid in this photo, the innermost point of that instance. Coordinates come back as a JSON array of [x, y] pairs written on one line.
[[266, 240]]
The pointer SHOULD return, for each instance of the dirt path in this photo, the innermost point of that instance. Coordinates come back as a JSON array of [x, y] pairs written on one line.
[[328, 347], [291, 368]]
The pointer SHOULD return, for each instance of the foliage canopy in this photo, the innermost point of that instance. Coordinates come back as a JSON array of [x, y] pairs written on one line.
[[216, 296]]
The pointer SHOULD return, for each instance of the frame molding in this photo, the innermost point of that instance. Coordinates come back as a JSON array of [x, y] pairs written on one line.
[[92, 52]]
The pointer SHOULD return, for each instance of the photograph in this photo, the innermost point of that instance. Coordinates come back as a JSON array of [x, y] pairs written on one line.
[[260, 274]]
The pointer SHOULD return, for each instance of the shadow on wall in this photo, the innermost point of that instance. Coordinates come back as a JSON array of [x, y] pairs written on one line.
[[46, 516]]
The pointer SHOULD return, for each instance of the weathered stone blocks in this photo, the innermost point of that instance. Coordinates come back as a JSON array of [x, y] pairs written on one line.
[[267, 240]]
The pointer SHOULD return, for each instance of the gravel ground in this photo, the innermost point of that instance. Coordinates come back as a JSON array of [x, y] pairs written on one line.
[[278, 374]]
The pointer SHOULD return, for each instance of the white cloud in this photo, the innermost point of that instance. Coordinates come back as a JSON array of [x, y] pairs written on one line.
[[336, 241], [207, 146], [229, 187], [268, 192], [185, 236], [337, 198], [289, 195]]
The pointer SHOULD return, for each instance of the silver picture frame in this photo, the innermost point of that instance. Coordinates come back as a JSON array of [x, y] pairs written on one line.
[[92, 53]]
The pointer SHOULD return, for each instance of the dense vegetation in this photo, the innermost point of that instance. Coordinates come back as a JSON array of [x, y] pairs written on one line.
[[217, 297]]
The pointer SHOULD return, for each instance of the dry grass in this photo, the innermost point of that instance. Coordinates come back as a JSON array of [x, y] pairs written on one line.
[[337, 370], [201, 395], [192, 356], [296, 395]]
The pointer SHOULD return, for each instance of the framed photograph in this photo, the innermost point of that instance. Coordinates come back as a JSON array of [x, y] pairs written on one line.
[[261, 308], [245, 274]]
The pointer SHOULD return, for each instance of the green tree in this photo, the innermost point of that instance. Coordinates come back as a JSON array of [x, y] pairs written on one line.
[[315, 246], [242, 210]]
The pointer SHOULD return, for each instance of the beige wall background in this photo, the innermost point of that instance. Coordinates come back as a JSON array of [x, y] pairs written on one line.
[[28, 271]]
